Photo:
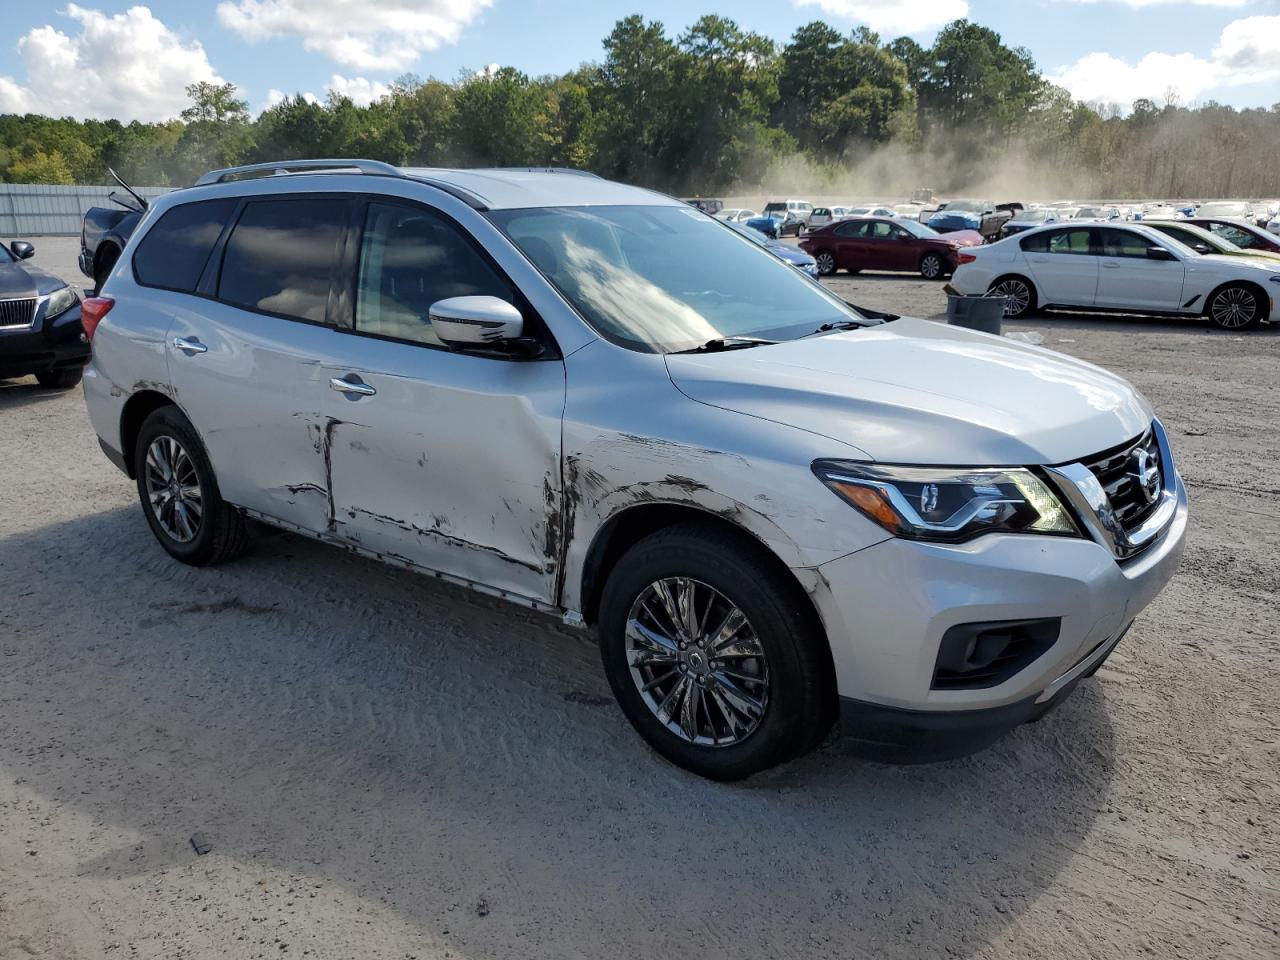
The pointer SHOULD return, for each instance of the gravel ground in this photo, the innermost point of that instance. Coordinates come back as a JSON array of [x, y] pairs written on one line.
[[385, 766]]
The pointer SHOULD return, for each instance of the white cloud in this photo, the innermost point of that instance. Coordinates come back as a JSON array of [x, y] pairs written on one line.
[[276, 97], [362, 34], [361, 91], [129, 66], [1248, 51], [893, 16], [1138, 4]]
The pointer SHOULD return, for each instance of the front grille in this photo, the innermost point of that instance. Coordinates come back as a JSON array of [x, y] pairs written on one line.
[[1119, 472], [17, 313]]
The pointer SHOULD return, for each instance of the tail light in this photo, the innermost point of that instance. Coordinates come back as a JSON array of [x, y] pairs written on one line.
[[965, 258], [92, 310]]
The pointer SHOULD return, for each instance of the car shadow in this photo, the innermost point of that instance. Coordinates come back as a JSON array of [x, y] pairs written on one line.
[[21, 391], [422, 749]]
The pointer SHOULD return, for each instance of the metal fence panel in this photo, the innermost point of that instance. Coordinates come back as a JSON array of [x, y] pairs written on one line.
[[37, 209]]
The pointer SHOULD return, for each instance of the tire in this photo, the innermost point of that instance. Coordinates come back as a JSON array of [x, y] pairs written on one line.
[[932, 266], [219, 532], [826, 261], [1021, 293], [102, 267], [778, 661], [1236, 306], [63, 379]]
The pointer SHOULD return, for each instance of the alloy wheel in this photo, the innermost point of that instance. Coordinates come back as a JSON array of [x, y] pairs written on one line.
[[826, 264], [931, 267], [697, 663], [1234, 308], [173, 489], [1017, 296]]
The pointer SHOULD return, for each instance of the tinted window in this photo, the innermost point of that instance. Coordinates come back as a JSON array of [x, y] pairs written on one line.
[[409, 259], [173, 253], [281, 256], [4, 255], [1058, 241], [851, 228], [1122, 243]]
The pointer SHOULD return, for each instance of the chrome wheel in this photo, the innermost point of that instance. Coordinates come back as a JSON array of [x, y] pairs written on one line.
[[826, 263], [697, 662], [931, 267], [173, 489], [1017, 296], [1234, 308]]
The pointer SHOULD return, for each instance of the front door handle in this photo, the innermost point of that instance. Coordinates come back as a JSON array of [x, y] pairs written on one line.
[[1112, 266], [353, 388], [189, 346]]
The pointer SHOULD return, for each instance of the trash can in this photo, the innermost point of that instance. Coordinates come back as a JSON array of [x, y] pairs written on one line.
[[977, 311]]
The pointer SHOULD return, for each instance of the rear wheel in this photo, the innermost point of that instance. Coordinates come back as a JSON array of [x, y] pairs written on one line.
[[1020, 296], [932, 266], [826, 261], [179, 493], [63, 379], [1235, 307], [711, 654]]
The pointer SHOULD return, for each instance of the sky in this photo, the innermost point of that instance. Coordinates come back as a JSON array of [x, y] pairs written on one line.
[[132, 61]]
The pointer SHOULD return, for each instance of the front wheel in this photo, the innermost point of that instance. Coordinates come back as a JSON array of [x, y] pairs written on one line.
[[179, 493], [63, 379], [1236, 307], [932, 266], [826, 261], [711, 655], [1020, 296]]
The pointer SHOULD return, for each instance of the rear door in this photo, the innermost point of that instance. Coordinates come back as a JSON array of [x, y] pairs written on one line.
[[851, 244], [1129, 278], [242, 359], [447, 460], [1064, 265]]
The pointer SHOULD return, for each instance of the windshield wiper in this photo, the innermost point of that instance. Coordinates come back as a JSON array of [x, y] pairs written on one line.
[[838, 325], [720, 344]]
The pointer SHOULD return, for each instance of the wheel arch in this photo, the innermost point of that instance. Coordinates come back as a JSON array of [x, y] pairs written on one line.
[[1257, 288], [136, 410], [1015, 275]]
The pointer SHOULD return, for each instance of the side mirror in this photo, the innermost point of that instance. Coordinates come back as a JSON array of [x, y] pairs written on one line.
[[476, 321], [22, 250], [1159, 253]]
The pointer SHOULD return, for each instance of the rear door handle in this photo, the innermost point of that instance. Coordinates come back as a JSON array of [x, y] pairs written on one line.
[[353, 388], [1111, 266], [190, 346]]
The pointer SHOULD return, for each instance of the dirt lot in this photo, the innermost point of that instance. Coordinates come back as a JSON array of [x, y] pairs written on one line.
[[388, 767]]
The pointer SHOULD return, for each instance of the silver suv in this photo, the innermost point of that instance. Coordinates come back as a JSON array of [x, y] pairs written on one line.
[[601, 403]]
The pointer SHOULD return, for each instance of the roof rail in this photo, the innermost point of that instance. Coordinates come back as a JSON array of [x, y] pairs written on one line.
[[277, 167], [574, 171]]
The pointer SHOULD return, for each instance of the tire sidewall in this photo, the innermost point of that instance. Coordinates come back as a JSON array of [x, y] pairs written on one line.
[[773, 624], [830, 257], [937, 274], [1257, 308], [1031, 296], [167, 421]]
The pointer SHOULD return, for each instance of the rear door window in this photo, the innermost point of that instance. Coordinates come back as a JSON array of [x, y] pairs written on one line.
[[282, 255], [173, 253], [1059, 241]]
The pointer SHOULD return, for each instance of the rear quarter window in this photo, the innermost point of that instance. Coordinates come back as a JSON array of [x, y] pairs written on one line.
[[173, 253]]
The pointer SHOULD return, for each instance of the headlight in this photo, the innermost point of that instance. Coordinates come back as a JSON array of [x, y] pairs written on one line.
[[60, 301], [948, 504]]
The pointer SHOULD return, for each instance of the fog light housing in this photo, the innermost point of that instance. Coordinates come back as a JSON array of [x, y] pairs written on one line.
[[976, 656]]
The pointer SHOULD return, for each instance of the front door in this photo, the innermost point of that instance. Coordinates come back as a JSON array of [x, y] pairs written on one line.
[[1128, 278], [447, 460]]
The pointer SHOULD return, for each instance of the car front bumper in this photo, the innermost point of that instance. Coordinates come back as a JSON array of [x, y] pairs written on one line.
[[886, 609], [47, 345]]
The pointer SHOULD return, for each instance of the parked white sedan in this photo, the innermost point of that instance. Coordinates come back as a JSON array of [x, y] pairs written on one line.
[[1120, 267]]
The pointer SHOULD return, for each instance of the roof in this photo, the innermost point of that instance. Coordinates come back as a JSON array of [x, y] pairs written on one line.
[[484, 188]]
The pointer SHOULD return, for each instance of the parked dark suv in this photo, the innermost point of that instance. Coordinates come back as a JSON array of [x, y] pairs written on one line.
[[40, 330]]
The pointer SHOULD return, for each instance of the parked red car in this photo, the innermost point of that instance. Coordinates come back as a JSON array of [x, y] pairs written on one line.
[[1244, 235], [872, 243]]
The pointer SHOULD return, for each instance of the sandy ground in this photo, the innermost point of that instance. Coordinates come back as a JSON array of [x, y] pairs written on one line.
[[386, 767]]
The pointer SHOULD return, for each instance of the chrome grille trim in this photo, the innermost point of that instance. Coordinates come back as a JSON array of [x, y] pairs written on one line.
[[18, 314], [1122, 525]]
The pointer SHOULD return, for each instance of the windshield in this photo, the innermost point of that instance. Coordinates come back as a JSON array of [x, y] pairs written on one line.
[[917, 229], [965, 206], [1032, 216], [664, 279]]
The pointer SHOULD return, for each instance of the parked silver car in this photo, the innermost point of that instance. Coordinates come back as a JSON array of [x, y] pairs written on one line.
[[598, 402]]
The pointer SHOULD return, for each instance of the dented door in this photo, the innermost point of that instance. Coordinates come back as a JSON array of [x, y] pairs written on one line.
[[452, 463]]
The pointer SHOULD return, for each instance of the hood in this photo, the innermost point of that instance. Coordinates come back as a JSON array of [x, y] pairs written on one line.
[[20, 280], [956, 219], [964, 238], [918, 392], [1265, 265]]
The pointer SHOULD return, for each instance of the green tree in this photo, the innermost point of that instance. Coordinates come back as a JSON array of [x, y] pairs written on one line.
[[41, 167], [972, 80], [495, 123]]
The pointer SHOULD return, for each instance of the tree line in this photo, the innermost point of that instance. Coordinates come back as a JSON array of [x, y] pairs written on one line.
[[715, 109]]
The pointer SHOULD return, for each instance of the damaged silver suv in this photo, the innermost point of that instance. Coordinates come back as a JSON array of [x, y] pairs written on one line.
[[776, 510]]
